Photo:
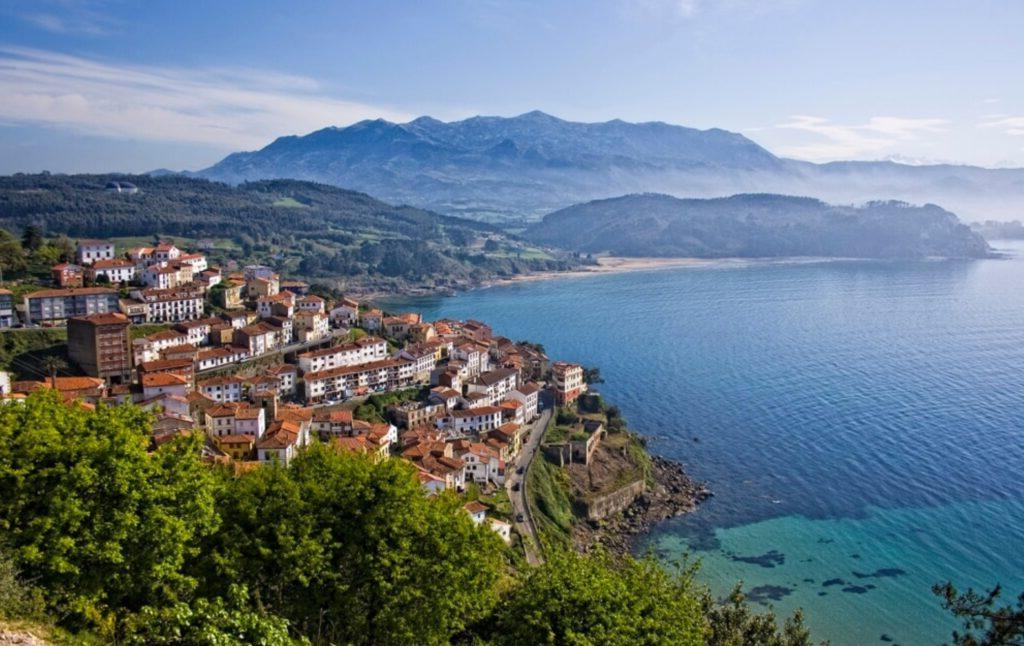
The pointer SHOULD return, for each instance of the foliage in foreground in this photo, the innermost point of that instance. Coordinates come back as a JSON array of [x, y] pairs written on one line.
[[155, 547], [985, 623]]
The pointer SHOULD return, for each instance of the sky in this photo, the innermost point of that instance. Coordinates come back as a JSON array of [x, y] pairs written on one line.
[[113, 85]]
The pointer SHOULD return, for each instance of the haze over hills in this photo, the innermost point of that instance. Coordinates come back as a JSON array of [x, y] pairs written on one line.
[[314, 231], [520, 168], [757, 226]]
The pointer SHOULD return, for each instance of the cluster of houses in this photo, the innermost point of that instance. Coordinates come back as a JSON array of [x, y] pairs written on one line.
[[266, 375]]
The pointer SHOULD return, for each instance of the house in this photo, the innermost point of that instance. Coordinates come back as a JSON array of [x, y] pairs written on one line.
[[164, 383], [364, 350], [67, 275], [89, 251], [160, 276], [221, 356], [482, 463], [115, 270], [257, 286], [501, 528], [50, 306], [234, 418], [281, 444], [222, 389], [372, 320], [413, 414], [198, 330], [529, 395], [230, 297], [345, 313], [567, 381], [237, 446], [311, 326], [258, 339], [165, 252], [424, 361], [447, 397], [473, 421], [279, 304], [431, 483], [136, 311], [477, 511], [152, 347], [495, 384], [171, 305], [311, 303], [477, 331], [287, 377]]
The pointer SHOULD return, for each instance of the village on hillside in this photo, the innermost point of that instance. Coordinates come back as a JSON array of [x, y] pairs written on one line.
[[264, 367]]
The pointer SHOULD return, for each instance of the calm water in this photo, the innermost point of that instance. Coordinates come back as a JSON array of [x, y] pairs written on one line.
[[861, 423]]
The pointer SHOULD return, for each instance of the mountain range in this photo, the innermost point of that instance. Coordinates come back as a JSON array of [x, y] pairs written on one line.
[[516, 170], [757, 226]]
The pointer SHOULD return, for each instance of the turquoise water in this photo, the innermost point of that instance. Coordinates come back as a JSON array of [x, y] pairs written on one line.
[[861, 423]]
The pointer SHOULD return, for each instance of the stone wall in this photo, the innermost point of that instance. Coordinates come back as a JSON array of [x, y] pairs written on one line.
[[600, 507]]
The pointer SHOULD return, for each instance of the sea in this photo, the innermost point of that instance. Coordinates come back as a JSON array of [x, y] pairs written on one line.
[[861, 423]]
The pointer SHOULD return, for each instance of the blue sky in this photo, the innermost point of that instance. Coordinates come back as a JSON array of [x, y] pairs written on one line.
[[97, 85]]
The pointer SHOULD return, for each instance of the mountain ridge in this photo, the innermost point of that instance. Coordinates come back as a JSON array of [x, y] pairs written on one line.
[[517, 169]]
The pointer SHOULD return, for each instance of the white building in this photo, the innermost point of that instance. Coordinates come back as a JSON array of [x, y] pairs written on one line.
[[89, 251], [364, 350]]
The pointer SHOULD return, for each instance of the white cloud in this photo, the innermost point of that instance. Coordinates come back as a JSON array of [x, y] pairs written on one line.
[[227, 108], [876, 137], [1009, 125]]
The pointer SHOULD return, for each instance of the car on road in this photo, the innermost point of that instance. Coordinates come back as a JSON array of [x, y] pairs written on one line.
[[519, 470], [515, 487], [520, 518]]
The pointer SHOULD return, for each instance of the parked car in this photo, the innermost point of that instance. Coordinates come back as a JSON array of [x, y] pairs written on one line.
[[520, 518], [515, 487], [519, 470]]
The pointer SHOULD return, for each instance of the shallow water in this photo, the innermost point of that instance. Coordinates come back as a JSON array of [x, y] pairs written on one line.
[[861, 423]]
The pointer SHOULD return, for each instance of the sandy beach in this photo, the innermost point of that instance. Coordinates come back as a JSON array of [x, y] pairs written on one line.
[[609, 265]]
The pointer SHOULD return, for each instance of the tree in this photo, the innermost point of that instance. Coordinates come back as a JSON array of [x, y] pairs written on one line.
[[31, 238], [733, 623], [352, 552], [583, 600], [104, 527], [217, 622], [592, 376], [12, 256], [984, 623], [52, 365], [491, 245]]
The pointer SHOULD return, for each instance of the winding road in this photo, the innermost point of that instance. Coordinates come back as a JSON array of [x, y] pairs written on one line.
[[527, 528]]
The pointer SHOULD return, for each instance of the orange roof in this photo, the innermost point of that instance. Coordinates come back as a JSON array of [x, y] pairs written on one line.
[[156, 379]]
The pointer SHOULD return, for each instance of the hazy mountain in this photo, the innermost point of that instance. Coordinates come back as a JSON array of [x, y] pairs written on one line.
[[757, 226], [509, 169]]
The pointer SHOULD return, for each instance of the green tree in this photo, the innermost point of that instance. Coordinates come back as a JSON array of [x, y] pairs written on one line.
[[985, 623], [352, 552], [734, 624], [583, 600], [31, 238], [213, 622], [104, 527], [12, 256]]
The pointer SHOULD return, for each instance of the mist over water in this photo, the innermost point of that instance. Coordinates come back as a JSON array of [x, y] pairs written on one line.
[[861, 423]]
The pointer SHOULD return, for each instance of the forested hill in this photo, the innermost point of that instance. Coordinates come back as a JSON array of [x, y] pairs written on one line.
[[305, 229], [757, 226]]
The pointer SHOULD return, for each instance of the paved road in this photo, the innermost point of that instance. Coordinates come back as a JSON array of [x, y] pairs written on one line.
[[527, 529]]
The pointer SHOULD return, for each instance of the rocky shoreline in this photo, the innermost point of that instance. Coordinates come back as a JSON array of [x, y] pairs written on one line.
[[673, 493]]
